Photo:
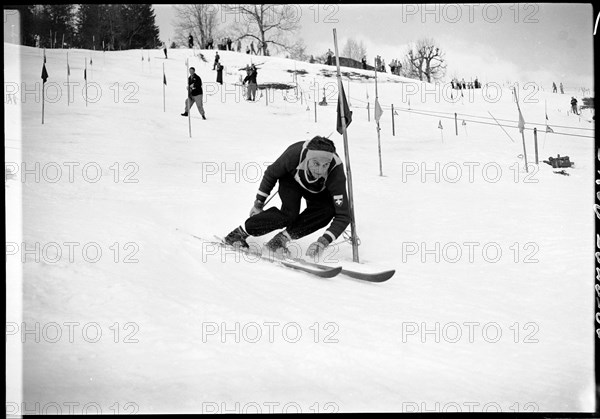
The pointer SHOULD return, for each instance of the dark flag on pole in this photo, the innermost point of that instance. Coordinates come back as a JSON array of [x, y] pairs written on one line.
[[164, 79], [44, 73], [85, 74], [347, 111]]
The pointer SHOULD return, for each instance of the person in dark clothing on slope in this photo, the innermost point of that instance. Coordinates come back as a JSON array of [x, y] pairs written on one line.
[[252, 85], [307, 169], [194, 93]]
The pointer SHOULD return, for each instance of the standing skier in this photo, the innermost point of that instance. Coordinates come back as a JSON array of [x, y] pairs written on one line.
[[307, 169], [252, 85], [194, 93], [574, 105]]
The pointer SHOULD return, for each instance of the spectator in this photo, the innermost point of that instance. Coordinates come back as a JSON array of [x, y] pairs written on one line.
[[251, 79], [190, 41], [364, 62], [574, 106], [229, 44], [165, 50], [216, 60], [239, 45], [562, 90], [252, 50], [247, 49], [329, 56], [194, 89], [219, 73], [553, 87]]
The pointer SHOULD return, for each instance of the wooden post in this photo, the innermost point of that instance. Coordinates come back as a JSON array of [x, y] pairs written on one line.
[[524, 151], [393, 124], [266, 96], [368, 112], [536, 146], [85, 65], [456, 123]]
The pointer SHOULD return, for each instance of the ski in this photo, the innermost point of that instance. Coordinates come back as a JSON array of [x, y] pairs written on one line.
[[317, 269], [328, 272], [363, 276]]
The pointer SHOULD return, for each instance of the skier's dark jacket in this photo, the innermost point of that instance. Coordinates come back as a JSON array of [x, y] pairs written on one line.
[[195, 85], [293, 163], [251, 78]]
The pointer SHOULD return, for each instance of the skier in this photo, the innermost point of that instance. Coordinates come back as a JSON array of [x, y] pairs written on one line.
[[194, 93], [251, 79], [574, 105], [307, 169]]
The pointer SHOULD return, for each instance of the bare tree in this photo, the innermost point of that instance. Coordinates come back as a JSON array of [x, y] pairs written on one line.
[[268, 24], [354, 50], [424, 61], [298, 51], [200, 20]]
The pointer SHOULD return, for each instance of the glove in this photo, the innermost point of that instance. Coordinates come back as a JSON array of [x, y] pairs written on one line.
[[316, 248], [257, 208]]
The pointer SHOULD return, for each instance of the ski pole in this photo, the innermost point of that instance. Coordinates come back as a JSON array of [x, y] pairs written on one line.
[[267, 201]]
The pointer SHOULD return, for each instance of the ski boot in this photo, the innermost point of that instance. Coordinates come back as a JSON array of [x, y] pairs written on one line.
[[277, 246], [237, 238]]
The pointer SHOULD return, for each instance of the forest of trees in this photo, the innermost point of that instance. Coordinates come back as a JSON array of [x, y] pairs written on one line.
[[116, 26]]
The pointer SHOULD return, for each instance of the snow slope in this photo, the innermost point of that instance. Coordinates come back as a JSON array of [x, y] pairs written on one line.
[[491, 307]]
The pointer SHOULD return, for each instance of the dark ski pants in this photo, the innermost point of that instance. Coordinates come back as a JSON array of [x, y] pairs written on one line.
[[189, 102], [318, 213]]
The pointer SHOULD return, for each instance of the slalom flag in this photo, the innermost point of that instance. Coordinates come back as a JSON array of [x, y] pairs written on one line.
[[521, 120], [367, 94], [142, 57], [347, 112], [440, 125], [90, 60], [44, 73], [548, 129], [68, 69], [378, 110], [164, 78], [85, 74], [44, 55], [464, 123]]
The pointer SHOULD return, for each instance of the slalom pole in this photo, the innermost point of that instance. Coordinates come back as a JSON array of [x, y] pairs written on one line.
[[354, 238], [68, 73], [188, 104], [378, 128]]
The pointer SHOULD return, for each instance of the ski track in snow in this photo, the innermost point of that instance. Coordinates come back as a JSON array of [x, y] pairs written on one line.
[[176, 290]]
